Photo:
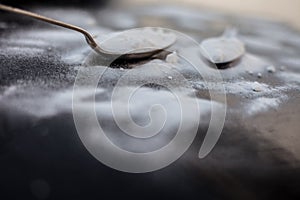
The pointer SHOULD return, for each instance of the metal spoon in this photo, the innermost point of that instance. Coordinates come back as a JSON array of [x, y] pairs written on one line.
[[225, 49], [117, 45]]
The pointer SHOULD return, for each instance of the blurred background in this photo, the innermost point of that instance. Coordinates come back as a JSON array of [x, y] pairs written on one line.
[[287, 11]]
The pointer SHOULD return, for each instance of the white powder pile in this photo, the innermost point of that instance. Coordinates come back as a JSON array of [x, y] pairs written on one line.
[[137, 40]]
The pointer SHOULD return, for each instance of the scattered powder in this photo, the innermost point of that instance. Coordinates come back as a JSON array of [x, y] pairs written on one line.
[[259, 75], [262, 104], [261, 96], [282, 68], [271, 69], [291, 77], [55, 102], [242, 88], [256, 87], [172, 58], [250, 72]]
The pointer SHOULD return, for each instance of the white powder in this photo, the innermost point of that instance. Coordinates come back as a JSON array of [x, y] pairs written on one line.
[[262, 104], [241, 88], [136, 40], [172, 58], [291, 77]]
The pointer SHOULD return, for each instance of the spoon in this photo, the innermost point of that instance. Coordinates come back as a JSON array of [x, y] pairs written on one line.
[[116, 45], [221, 50]]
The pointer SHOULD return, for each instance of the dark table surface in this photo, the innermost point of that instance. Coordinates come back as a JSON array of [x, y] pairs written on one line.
[[42, 157]]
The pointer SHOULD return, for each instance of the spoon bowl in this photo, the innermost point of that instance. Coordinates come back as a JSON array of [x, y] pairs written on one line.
[[222, 50], [136, 43]]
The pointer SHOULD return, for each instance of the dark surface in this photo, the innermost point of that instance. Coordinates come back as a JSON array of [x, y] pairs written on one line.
[[42, 157]]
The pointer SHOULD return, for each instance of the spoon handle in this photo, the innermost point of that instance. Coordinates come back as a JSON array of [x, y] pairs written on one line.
[[90, 40]]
